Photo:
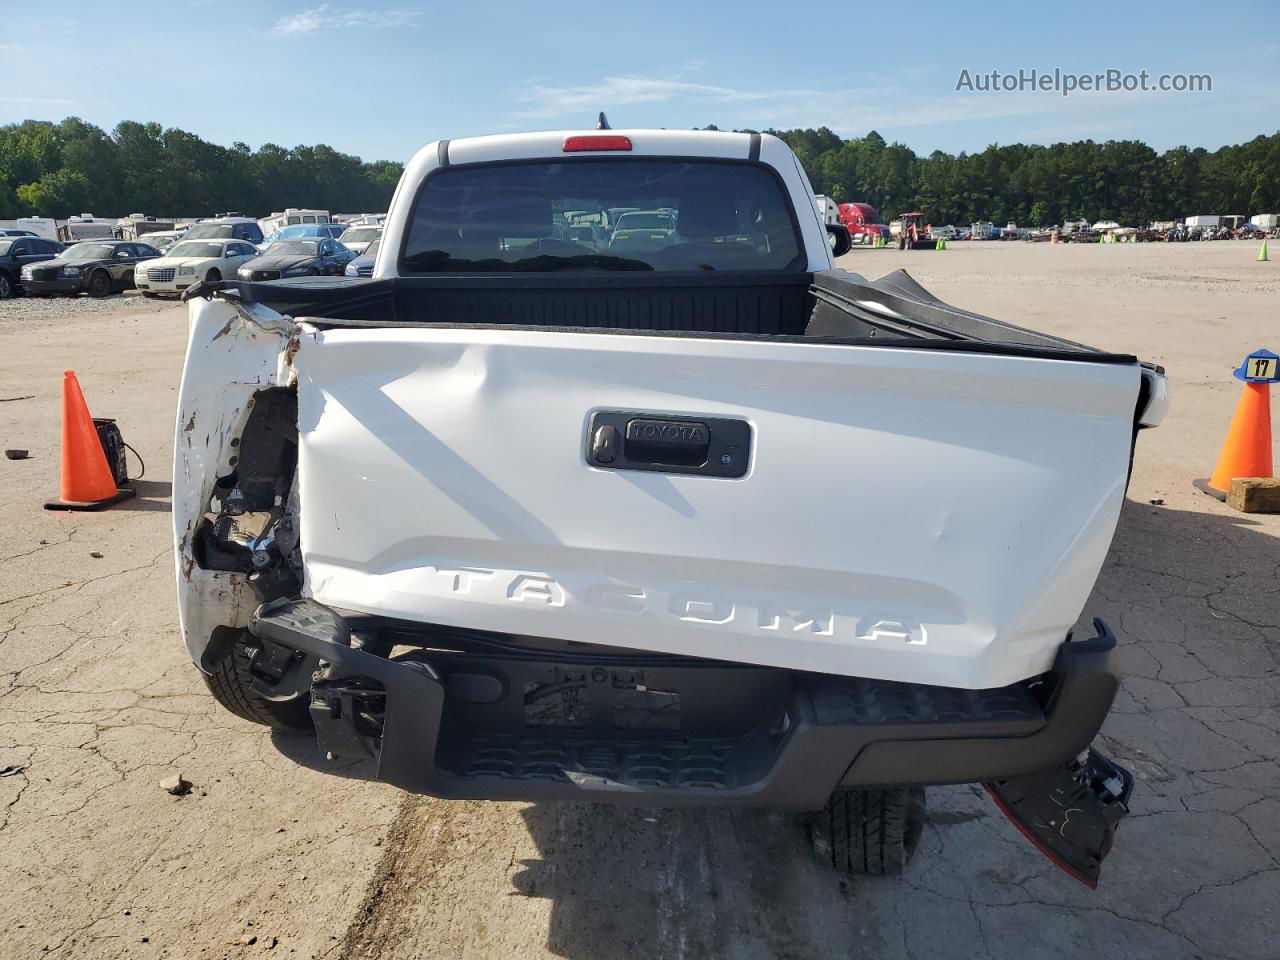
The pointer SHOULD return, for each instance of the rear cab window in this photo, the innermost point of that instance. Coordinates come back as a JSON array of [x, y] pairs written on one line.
[[603, 214]]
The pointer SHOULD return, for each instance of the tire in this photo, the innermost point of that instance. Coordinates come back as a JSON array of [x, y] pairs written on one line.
[[231, 684], [6, 286], [99, 284], [869, 831], [213, 276]]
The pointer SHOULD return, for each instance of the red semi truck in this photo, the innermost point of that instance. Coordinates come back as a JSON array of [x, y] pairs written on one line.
[[862, 221]]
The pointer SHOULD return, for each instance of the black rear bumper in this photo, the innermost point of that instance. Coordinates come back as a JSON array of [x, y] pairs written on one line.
[[458, 725]]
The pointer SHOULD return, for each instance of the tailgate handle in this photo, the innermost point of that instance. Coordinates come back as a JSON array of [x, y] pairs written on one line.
[[633, 440], [678, 442]]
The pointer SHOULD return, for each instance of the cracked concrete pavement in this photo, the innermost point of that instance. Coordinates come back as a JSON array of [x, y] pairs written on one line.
[[98, 702]]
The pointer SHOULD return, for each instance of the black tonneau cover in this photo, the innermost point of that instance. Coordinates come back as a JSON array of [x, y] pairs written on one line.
[[830, 306], [897, 304]]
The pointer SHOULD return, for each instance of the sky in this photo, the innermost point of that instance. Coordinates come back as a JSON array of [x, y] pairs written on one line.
[[380, 78]]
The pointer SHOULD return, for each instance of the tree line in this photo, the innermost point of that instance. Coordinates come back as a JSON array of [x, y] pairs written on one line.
[[58, 169], [1032, 185]]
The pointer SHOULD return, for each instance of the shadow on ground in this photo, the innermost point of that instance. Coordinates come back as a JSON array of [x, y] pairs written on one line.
[[152, 495], [302, 749]]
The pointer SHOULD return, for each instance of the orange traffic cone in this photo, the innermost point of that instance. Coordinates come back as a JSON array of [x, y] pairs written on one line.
[[1247, 450], [87, 483]]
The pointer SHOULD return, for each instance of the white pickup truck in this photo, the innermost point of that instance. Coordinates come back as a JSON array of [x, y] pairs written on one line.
[[694, 519]]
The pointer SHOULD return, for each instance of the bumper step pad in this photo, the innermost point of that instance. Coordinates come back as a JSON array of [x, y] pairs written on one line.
[[598, 764]]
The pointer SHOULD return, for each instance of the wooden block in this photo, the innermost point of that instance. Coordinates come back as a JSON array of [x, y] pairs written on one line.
[[1255, 494]]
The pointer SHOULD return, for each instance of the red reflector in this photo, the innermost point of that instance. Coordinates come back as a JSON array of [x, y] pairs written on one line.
[[579, 144]]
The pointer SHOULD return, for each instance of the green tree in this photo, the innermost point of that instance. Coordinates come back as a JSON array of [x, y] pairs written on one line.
[[59, 194], [56, 169]]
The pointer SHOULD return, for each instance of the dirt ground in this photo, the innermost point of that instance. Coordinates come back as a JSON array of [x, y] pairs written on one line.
[[269, 857]]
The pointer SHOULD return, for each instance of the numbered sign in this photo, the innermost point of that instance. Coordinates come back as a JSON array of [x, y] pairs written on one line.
[[1261, 366]]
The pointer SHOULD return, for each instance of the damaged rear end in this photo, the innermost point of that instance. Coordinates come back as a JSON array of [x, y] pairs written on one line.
[[426, 545]]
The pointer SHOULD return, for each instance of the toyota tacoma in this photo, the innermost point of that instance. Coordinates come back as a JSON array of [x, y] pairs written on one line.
[[537, 514]]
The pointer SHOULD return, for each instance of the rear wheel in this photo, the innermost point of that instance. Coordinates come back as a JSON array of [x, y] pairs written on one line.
[[99, 284], [869, 831], [231, 684], [6, 286]]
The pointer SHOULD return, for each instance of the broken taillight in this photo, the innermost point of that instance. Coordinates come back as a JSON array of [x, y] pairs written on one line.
[[1070, 812], [596, 142]]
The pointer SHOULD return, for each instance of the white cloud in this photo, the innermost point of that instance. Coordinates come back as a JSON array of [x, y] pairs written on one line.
[[325, 17], [891, 108], [550, 101]]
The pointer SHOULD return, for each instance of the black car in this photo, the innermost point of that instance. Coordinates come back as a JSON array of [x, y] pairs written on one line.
[[17, 253], [309, 257], [95, 267], [226, 229]]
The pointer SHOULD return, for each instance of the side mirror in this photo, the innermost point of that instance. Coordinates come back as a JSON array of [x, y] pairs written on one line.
[[841, 242]]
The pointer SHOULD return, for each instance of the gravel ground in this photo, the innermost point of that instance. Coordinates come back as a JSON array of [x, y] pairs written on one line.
[[40, 311], [98, 703]]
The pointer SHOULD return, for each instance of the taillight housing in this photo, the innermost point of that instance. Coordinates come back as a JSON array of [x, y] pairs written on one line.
[[596, 141]]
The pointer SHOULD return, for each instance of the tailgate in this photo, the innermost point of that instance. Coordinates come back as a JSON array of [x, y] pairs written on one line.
[[909, 514]]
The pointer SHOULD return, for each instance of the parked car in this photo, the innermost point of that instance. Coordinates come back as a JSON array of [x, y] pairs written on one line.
[[300, 231], [452, 528], [357, 238], [94, 267], [641, 231], [193, 261], [362, 266], [19, 252], [226, 228], [17, 233], [162, 240], [309, 257]]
